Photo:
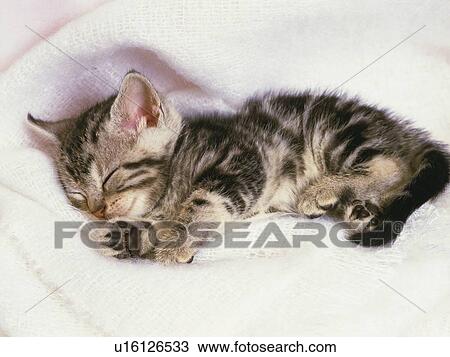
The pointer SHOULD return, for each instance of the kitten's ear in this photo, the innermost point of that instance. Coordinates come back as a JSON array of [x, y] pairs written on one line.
[[137, 105], [52, 130]]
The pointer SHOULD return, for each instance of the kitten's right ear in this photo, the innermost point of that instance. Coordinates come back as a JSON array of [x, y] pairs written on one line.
[[137, 105], [52, 130]]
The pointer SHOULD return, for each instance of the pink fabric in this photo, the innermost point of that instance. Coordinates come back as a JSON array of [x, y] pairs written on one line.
[[43, 17]]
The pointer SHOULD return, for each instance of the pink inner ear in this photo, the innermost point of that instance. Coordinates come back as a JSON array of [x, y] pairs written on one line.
[[152, 117], [139, 107], [138, 114]]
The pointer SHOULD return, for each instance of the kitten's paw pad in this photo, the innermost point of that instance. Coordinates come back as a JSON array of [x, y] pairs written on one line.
[[363, 212], [359, 212]]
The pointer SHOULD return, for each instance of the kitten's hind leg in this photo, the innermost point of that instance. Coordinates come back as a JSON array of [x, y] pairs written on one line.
[[356, 196], [366, 195], [398, 190], [362, 214]]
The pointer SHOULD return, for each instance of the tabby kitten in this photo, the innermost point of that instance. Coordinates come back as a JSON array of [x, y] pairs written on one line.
[[133, 156]]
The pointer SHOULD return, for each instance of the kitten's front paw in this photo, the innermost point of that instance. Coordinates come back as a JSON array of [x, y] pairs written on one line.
[[182, 255], [315, 202], [172, 248], [114, 247], [127, 241]]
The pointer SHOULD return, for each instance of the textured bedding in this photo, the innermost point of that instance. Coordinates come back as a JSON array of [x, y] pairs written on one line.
[[211, 55]]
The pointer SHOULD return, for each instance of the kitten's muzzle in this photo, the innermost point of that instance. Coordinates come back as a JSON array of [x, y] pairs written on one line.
[[99, 213], [97, 208]]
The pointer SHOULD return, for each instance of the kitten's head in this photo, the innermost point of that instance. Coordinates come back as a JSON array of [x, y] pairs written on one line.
[[112, 159]]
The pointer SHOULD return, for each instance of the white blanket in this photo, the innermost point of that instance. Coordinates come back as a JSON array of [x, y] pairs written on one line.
[[210, 55]]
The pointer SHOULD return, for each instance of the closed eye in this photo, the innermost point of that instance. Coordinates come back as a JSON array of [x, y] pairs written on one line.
[[105, 181], [77, 196]]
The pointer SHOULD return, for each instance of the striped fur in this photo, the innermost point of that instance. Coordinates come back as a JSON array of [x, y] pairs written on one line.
[[309, 153]]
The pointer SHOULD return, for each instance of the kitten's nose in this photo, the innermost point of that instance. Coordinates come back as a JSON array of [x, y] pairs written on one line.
[[97, 209]]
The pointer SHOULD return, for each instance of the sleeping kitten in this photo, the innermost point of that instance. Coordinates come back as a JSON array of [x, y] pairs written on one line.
[[133, 156]]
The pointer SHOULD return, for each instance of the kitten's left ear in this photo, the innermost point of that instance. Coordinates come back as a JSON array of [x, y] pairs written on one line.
[[55, 131], [137, 105]]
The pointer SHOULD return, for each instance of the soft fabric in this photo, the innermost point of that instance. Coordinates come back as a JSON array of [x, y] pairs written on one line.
[[208, 55]]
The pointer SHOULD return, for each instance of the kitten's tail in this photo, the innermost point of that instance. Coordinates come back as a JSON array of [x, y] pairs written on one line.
[[430, 180]]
